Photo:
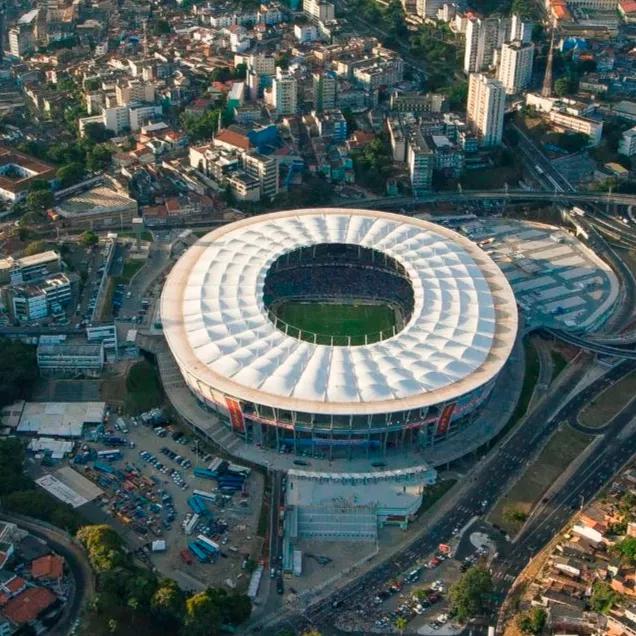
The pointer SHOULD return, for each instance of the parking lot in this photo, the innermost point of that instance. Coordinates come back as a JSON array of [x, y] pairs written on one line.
[[148, 482]]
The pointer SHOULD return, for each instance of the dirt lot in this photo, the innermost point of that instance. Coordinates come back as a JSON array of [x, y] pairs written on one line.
[[512, 509], [600, 411]]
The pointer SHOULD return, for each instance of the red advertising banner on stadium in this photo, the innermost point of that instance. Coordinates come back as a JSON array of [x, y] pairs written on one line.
[[236, 415], [445, 418]]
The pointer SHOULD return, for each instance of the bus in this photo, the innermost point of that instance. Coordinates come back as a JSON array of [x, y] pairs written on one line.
[[208, 542], [201, 556], [109, 455], [192, 524], [204, 494]]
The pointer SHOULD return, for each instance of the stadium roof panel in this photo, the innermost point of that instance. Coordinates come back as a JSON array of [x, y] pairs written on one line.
[[460, 333]]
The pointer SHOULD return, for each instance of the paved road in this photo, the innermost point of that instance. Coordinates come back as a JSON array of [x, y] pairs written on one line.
[[77, 563], [616, 448], [487, 483]]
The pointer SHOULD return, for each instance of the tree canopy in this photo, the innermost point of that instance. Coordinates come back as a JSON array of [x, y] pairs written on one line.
[[470, 595], [18, 371]]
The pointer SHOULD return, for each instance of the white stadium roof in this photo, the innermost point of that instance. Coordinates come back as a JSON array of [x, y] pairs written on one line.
[[460, 334]]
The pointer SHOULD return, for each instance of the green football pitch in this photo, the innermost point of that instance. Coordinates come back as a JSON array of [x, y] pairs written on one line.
[[339, 320]]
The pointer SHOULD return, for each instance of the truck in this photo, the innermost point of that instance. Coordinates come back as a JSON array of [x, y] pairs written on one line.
[[109, 455], [198, 552], [205, 473], [204, 494], [237, 469], [103, 468], [198, 505], [114, 440], [208, 543], [192, 524]]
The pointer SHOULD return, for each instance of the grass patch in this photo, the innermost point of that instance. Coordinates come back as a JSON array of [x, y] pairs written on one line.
[[338, 320], [129, 269], [600, 411], [530, 378], [559, 362], [511, 510], [143, 390], [144, 235]]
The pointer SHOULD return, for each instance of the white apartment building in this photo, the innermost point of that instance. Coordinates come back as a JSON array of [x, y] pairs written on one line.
[[324, 90], [428, 8], [515, 66], [261, 63], [21, 40], [520, 29], [263, 168], [420, 159], [485, 109], [483, 38], [285, 93], [627, 144], [134, 91], [319, 10]]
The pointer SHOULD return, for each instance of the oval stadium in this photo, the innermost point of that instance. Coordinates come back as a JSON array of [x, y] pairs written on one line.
[[339, 332]]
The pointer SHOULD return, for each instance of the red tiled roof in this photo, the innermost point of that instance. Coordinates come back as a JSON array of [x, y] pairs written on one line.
[[4, 598], [27, 606], [47, 567], [234, 139], [628, 6]]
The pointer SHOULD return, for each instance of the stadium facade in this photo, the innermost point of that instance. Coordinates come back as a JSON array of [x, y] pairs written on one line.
[[285, 387]]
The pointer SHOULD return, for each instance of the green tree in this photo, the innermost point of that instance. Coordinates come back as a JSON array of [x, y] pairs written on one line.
[[564, 86], [603, 597], [104, 547], [573, 141], [89, 238], [168, 601], [70, 174], [400, 624], [97, 132], [18, 371], [627, 549], [203, 616], [98, 158], [160, 27], [40, 200], [469, 596], [34, 247], [533, 621]]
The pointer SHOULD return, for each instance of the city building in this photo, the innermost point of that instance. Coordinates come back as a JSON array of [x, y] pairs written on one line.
[[627, 143], [285, 93], [428, 8], [420, 160], [18, 171], [29, 269], [515, 66], [484, 36], [352, 506], [319, 10], [97, 208], [70, 359], [485, 109], [265, 169], [324, 90], [21, 40], [520, 29], [578, 124], [35, 301]]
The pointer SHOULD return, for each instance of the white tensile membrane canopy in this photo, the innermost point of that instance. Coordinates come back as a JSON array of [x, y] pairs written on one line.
[[460, 333]]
